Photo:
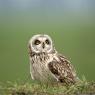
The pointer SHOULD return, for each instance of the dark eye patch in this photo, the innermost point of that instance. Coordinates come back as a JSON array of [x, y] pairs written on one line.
[[37, 42], [47, 41]]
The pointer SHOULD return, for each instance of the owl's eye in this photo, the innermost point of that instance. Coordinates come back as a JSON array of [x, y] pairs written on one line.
[[47, 42], [37, 42]]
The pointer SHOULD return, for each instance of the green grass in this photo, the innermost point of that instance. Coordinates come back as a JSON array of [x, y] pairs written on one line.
[[36, 88]]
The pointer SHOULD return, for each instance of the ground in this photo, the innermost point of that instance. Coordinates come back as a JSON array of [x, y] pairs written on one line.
[[35, 88]]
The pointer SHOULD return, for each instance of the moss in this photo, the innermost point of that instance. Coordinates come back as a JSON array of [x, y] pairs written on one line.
[[35, 88]]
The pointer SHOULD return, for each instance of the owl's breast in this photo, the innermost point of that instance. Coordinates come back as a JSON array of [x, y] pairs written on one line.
[[40, 70]]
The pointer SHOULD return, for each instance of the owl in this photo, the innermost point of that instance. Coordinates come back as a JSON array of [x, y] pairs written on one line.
[[46, 64]]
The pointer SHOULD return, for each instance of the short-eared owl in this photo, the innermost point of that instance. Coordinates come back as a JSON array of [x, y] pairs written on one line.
[[46, 64]]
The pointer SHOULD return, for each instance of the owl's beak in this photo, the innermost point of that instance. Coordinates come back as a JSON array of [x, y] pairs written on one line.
[[43, 45]]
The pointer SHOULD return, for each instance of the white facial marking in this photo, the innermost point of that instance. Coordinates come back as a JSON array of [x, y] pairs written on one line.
[[41, 43]]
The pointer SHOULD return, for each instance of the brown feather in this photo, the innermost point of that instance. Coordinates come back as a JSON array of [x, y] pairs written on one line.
[[62, 69]]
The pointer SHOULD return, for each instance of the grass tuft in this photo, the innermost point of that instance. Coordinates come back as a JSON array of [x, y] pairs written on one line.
[[82, 87]]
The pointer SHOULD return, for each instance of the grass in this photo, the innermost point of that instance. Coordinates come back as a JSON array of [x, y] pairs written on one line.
[[35, 88]]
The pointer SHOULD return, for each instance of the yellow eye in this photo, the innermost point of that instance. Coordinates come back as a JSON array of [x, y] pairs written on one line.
[[47, 41], [37, 42]]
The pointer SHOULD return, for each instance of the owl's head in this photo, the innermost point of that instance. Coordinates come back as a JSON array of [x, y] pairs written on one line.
[[41, 43]]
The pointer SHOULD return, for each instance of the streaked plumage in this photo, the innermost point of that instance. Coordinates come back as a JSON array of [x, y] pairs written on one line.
[[46, 65]]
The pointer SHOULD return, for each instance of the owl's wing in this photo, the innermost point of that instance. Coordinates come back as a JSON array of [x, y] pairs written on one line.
[[62, 69]]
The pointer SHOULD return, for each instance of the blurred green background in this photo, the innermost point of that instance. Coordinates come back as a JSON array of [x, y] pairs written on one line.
[[71, 24]]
